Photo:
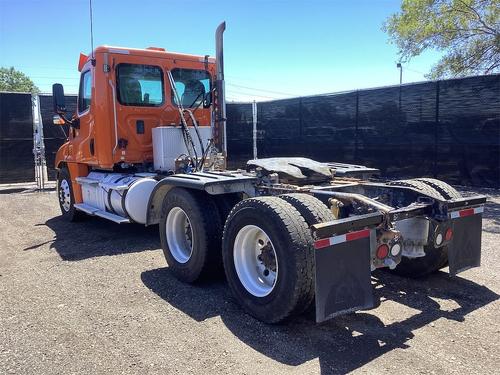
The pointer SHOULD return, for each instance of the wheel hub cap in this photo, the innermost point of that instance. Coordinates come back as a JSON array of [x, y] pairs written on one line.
[[179, 235], [64, 195], [255, 260]]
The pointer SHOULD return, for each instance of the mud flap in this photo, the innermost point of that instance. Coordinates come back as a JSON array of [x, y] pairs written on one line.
[[464, 251], [343, 274]]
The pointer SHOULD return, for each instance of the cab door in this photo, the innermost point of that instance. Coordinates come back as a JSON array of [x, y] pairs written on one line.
[[82, 134], [141, 98]]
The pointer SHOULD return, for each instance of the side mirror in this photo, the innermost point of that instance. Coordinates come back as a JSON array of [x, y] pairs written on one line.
[[58, 98], [207, 100]]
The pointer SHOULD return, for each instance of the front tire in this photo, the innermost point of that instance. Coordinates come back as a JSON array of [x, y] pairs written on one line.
[[66, 197], [190, 235], [268, 258]]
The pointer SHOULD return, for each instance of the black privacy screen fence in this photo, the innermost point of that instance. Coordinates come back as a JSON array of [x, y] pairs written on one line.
[[16, 138], [445, 129]]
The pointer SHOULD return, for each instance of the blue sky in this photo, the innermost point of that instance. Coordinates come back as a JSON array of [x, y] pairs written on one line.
[[273, 49]]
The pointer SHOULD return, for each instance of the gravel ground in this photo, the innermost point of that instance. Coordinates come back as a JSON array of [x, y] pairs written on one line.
[[97, 297]]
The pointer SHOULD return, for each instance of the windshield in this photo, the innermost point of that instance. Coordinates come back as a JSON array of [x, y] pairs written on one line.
[[191, 85]]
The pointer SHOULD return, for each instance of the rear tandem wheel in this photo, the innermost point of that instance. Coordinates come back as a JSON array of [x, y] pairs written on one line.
[[268, 258], [435, 258], [190, 234]]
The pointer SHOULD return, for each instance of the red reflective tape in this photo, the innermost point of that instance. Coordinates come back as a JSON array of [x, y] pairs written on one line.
[[467, 212], [319, 244], [357, 235]]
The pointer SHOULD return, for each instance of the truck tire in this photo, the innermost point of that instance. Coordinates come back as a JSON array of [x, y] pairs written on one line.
[[310, 208], [268, 258], [420, 186], [225, 203], [66, 197], [190, 234], [443, 188], [435, 258]]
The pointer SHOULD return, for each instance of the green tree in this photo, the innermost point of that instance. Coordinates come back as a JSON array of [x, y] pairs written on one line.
[[466, 31], [16, 81]]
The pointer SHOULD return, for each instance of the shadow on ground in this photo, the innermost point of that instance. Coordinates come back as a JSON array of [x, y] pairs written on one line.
[[95, 237], [492, 212], [342, 344]]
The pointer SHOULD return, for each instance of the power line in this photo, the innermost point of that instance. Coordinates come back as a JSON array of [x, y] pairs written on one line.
[[262, 90], [50, 77], [413, 70], [38, 67], [231, 92], [245, 80]]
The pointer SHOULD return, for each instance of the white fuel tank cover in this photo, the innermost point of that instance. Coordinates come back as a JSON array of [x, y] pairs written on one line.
[[137, 198]]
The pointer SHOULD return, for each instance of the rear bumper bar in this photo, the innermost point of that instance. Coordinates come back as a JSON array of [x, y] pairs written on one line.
[[343, 250]]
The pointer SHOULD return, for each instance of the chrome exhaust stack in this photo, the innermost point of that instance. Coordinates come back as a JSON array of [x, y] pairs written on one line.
[[220, 110]]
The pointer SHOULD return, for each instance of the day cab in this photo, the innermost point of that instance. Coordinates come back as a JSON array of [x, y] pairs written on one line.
[[123, 94]]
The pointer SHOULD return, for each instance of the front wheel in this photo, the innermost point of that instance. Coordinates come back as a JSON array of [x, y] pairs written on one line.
[[66, 197], [268, 258]]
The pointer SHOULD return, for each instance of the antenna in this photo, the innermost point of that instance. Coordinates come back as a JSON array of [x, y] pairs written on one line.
[[91, 35]]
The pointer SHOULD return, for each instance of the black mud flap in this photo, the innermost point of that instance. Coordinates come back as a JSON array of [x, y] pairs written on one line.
[[343, 274], [464, 251]]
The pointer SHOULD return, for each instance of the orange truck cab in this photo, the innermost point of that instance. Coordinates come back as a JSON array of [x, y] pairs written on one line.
[[124, 94]]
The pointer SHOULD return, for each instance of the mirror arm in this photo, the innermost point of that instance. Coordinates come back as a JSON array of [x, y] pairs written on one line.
[[74, 122]]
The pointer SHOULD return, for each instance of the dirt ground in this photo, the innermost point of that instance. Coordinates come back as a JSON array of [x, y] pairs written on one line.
[[97, 297]]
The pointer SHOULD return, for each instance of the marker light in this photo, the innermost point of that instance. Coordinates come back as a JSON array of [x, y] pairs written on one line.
[[395, 250], [439, 239], [382, 251], [448, 234]]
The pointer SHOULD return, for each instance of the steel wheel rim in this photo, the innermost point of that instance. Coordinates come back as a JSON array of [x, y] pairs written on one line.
[[180, 237], [65, 195], [258, 275]]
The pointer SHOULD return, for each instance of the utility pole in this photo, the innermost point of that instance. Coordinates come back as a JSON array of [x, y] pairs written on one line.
[[398, 65]]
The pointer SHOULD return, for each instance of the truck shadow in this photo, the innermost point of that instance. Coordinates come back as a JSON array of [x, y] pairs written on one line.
[[341, 344], [95, 237]]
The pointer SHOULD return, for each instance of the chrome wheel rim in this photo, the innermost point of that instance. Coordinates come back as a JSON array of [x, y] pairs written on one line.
[[255, 260], [180, 238], [65, 195]]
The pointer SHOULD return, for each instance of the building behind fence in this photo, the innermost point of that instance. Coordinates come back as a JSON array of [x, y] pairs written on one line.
[[446, 129]]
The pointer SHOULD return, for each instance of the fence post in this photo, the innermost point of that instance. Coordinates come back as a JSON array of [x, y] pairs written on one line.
[[254, 120], [38, 144], [356, 115]]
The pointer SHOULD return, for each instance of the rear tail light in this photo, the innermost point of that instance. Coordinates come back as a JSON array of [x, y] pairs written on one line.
[[449, 234], [382, 251]]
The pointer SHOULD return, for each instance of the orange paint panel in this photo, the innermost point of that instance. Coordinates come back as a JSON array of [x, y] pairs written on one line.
[[95, 141], [77, 170]]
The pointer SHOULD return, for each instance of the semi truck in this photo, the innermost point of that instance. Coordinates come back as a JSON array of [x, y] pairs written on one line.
[[147, 145]]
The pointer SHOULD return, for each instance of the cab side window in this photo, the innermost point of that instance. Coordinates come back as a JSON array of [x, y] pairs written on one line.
[[85, 92], [140, 85]]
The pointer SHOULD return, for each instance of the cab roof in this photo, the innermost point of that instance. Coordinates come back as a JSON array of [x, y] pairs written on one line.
[[153, 52]]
